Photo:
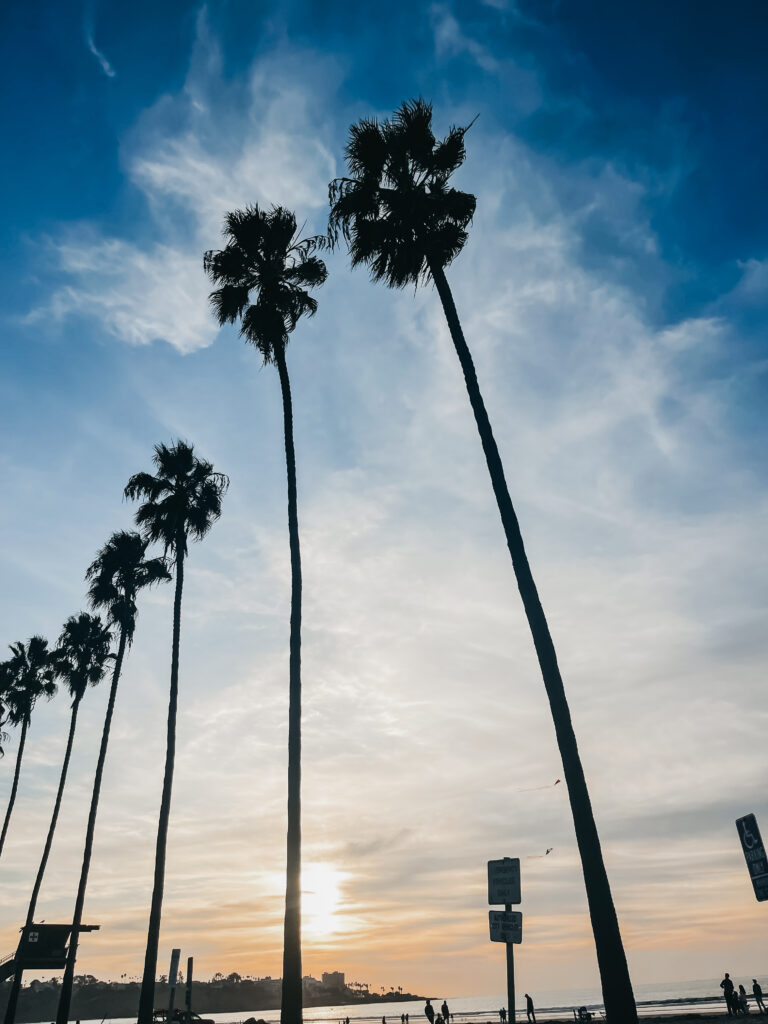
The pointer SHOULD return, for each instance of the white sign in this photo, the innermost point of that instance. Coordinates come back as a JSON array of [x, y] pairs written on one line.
[[506, 925], [754, 854], [173, 974], [504, 880]]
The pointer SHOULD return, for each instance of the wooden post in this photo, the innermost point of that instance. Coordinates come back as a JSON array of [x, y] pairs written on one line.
[[188, 993]]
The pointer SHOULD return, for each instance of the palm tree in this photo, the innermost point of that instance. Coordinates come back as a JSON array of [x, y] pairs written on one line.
[[183, 499], [120, 570], [80, 661], [26, 676], [263, 256], [399, 217]]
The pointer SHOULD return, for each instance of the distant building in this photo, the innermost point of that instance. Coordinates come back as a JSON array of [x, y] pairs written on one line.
[[333, 979]]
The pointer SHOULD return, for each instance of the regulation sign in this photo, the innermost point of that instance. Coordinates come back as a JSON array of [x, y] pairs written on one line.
[[504, 880], [754, 854], [506, 925]]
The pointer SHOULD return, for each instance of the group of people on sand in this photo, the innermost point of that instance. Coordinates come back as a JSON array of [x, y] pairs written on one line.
[[444, 1017], [736, 1000]]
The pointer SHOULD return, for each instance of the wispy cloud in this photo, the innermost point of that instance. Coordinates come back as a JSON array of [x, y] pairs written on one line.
[[427, 733], [104, 64]]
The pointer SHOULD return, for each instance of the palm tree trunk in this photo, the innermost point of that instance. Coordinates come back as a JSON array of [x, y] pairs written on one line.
[[291, 1003], [147, 995], [15, 785], [65, 996], [614, 974], [13, 998]]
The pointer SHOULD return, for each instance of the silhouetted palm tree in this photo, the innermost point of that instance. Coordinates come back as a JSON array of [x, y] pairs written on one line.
[[399, 217], [120, 571], [80, 661], [265, 258], [183, 499], [26, 676]]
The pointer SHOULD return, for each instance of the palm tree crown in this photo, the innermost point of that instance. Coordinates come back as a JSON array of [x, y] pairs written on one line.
[[395, 210], [82, 652], [116, 575], [28, 675], [264, 255], [182, 499]]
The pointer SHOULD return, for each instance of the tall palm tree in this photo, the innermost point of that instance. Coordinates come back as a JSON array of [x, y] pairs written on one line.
[[399, 216], [182, 500], [264, 258], [80, 661], [26, 676], [120, 570]]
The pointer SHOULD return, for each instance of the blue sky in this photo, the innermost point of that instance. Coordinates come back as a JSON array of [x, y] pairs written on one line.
[[613, 292]]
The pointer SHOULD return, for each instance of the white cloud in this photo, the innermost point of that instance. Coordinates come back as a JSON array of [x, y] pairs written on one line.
[[104, 64], [138, 295], [424, 711], [450, 39], [190, 177]]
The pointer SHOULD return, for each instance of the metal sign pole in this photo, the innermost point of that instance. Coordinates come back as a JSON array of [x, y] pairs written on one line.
[[510, 975]]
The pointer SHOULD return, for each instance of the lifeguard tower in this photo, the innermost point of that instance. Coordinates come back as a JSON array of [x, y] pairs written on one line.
[[42, 947]]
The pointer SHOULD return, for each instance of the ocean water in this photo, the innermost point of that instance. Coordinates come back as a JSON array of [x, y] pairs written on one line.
[[657, 1000]]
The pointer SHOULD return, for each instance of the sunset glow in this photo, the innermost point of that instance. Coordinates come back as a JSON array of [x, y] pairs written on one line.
[[612, 290]]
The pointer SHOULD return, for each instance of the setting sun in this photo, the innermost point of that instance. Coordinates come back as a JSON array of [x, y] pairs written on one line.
[[320, 892]]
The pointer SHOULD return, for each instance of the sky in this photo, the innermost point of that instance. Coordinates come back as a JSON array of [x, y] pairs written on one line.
[[613, 294]]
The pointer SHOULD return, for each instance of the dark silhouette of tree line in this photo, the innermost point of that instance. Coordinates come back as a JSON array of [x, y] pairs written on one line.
[[397, 214]]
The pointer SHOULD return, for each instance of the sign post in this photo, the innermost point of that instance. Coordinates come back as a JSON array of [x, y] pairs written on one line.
[[507, 925], [172, 976], [754, 854]]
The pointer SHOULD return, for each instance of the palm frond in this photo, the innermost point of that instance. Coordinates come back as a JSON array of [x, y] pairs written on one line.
[[395, 211], [190, 493], [272, 264]]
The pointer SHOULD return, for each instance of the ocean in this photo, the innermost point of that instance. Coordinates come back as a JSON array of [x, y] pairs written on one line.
[[656, 999]]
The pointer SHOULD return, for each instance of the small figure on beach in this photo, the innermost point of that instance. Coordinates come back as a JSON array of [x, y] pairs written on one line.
[[744, 1005], [502, 1015], [529, 1009], [727, 986], [445, 1012], [429, 1012], [757, 992], [402, 1018]]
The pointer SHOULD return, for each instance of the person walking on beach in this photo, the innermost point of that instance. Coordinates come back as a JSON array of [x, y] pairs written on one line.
[[429, 1012], [727, 986], [529, 1010], [757, 992], [446, 1014], [502, 1015]]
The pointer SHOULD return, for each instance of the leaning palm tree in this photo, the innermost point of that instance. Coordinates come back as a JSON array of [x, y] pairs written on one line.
[[265, 259], [26, 676], [120, 570], [399, 216], [79, 661], [182, 500]]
